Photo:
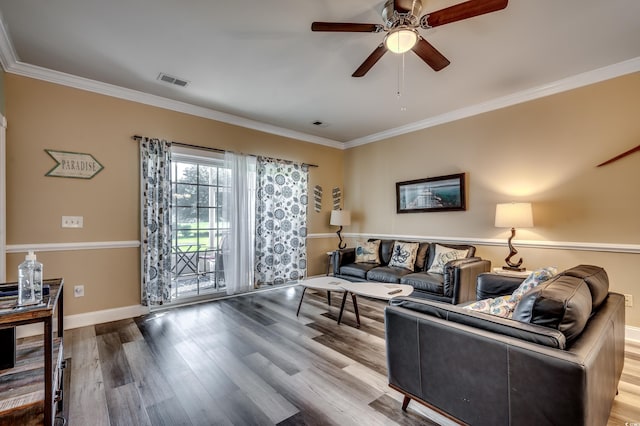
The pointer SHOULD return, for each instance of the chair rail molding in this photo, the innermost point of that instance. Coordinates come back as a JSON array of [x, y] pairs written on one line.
[[92, 245], [552, 245]]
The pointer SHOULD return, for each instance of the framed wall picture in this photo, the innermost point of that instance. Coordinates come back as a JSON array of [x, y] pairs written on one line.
[[436, 194]]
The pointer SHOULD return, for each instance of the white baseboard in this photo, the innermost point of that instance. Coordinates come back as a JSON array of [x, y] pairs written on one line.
[[632, 333], [86, 319], [107, 315]]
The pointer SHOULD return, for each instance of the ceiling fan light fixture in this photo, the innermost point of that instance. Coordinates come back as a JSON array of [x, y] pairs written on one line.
[[400, 40]]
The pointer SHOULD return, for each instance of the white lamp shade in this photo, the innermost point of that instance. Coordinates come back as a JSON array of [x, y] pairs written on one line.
[[514, 215], [340, 218], [401, 40]]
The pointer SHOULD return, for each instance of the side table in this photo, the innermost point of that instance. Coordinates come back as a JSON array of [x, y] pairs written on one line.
[[18, 398], [508, 273]]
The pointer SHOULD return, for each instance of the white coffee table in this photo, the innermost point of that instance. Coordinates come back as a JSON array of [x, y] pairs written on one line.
[[384, 291], [327, 284]]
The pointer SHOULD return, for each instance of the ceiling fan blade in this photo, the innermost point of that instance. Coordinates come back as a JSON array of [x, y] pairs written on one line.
[[461, 11], [346, 27], [370, 61], [430, 55]]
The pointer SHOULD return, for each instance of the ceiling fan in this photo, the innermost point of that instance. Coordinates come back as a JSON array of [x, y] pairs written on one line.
[[401, 22]]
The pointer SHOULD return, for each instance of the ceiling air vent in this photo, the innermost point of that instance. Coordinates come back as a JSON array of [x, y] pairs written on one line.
[[172, 80]]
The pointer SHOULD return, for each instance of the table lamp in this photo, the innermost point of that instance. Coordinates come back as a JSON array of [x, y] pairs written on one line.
[[340, 218], [513, 215]]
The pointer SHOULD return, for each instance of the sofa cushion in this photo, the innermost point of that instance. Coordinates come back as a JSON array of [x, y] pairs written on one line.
[[404, 255], [368, 252], [563, 302], [358, 270], [387, 274], [421, 257], [424, 281], [597, 280], [443, 255], [386, 248]]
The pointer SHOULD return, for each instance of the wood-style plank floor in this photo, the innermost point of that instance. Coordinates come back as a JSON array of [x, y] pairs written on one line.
[[250, 361]]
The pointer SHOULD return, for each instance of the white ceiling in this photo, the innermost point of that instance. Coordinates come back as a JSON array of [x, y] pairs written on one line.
[[259, 60]]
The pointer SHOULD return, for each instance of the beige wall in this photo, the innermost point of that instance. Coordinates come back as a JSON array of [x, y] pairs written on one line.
[[43, 116], [544, 151]]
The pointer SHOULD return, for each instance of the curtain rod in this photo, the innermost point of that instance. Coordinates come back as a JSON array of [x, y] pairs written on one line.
[[138, 138]]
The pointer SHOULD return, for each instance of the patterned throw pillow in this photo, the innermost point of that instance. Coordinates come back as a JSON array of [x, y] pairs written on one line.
[[505, 305], [404, 255], [500, 306], [368, 252], [444, 255], [534, 278]]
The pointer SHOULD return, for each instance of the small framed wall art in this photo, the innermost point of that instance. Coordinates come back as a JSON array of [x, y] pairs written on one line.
[[436, 194]]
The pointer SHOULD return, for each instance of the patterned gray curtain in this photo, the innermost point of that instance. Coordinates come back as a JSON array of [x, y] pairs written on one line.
[[281, 222], [155, 175]]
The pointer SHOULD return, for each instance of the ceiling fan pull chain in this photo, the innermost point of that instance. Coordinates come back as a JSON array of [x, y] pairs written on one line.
[[402, 79], [399, 80], [401, 69]]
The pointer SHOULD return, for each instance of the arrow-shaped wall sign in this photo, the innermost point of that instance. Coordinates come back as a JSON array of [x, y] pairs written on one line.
[[73, 165]]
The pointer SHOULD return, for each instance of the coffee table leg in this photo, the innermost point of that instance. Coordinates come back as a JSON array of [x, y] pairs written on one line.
[[301, 297], [328, 298], [344, 299], [355, 309]]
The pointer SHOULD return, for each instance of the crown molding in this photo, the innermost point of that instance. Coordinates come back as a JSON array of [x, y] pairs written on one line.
[[51, 76], [12, 64], [569, 83]]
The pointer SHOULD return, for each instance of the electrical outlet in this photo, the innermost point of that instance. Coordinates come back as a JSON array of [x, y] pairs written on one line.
[[78, 291], [628, 300], [72, 221]]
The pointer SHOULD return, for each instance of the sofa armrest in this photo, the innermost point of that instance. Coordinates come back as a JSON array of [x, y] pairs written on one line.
[[343, 257], [460, 277], [495, 285]]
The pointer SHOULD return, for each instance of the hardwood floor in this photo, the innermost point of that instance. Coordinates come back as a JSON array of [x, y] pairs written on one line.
[[250, 361]]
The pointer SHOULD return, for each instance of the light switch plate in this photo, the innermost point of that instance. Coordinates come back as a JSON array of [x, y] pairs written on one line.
[[628, 300], [72, 221]]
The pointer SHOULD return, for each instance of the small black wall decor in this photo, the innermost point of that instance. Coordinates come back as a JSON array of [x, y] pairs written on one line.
[[436, 194]]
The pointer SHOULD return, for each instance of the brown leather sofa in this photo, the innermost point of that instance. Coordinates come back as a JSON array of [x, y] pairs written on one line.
[[456, 285], [557, 362]]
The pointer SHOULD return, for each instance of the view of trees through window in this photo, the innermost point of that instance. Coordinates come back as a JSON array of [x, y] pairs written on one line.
[[200, 188]]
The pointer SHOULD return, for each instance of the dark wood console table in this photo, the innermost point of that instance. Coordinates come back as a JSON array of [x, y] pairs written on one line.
[[19, 397]]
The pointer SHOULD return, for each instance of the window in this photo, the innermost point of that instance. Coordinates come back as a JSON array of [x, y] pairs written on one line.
[[200, 186]]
